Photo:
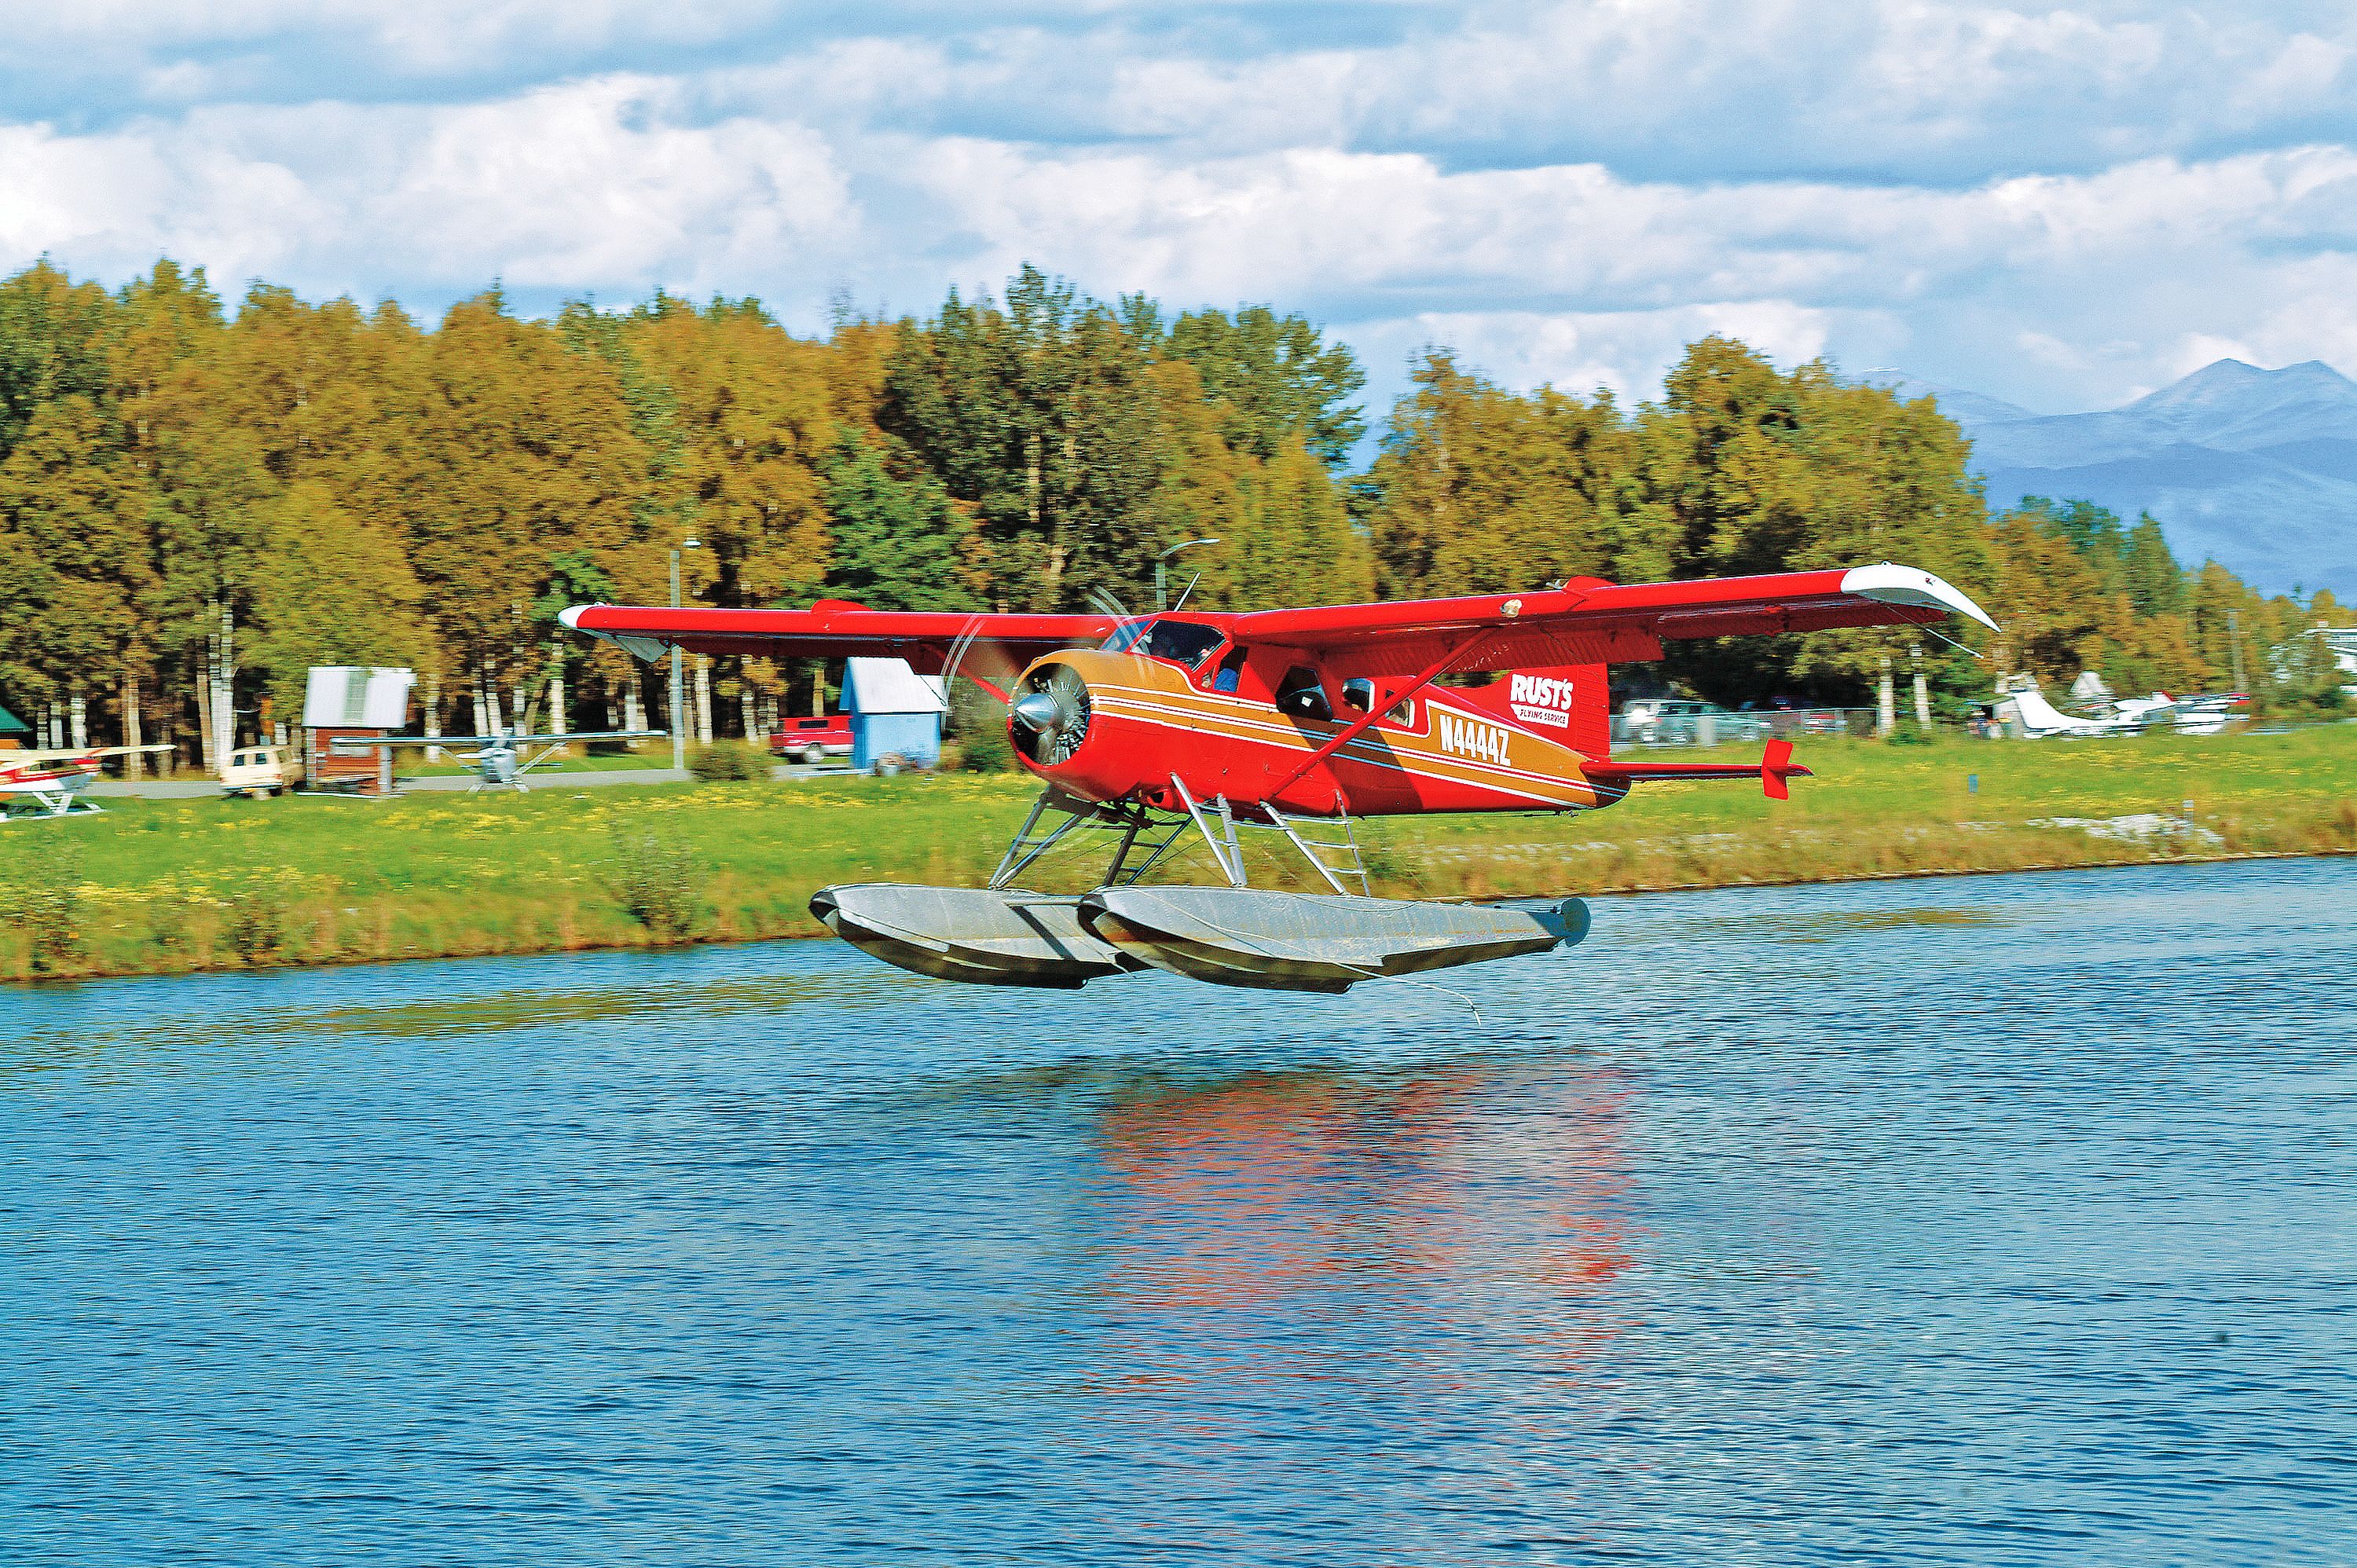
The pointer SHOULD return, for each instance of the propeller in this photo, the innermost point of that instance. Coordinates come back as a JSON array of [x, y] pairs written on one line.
[[1048, 715], [1051, 714]]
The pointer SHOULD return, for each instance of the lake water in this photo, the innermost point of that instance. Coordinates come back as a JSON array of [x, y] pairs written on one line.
[[1995, 1220]]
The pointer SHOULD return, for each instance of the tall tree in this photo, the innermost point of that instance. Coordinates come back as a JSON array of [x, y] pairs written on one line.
[[528, 448], [899, 544], [1478, 490], [1277, 379], [207, 473]]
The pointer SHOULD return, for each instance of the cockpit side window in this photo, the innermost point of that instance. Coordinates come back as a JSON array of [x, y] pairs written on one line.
[[1300, 694], [1180, 641], [1183, 643]]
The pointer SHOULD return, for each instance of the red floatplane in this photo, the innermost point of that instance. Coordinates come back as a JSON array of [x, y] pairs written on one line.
[[1150, 730]]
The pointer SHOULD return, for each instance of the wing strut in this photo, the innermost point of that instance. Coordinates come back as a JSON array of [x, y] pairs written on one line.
[[1383, 705]]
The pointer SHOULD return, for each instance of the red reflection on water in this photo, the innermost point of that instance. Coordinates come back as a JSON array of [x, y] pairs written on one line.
[[1465, 1191]]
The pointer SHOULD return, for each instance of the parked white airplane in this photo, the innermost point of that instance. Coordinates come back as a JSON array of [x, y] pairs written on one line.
[[2129, 716], [2041, 720], [50, 783]]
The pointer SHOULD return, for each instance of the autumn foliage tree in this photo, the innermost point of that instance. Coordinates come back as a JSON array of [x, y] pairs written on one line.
[[198, 503]]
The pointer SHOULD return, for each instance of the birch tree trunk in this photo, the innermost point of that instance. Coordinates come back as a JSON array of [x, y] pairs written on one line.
[[557, 705], [633, 712], [134, 764], [434, 713], [492, 714], [704, 698], [205, 709], [78, 718], [225, 684], [1885, 716], [1923, 701]]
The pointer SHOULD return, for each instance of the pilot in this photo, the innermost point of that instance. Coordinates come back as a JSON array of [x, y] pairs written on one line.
[[1229, 668]]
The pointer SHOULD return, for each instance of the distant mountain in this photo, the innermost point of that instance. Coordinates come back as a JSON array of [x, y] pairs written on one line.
[[2257, 469], [1960, 406]]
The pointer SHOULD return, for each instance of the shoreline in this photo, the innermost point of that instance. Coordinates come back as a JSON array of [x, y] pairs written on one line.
[[354, 961], [186, 887]]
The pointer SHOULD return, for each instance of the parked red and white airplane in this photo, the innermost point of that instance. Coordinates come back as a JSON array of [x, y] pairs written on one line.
[[1152, 729], [50, 783]]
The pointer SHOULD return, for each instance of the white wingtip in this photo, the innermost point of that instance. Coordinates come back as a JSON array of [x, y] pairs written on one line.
[[1893, 585], [570, 617]]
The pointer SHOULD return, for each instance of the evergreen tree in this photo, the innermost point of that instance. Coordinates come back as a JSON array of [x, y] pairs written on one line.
[[899, 544], [2155, 581], [1276, 378]]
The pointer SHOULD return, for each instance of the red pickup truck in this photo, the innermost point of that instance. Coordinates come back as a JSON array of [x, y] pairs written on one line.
[[812, 740]]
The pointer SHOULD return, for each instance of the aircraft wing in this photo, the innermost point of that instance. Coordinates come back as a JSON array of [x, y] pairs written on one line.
[[31, 758], [836, 628], [1587, 621], [452, 742]]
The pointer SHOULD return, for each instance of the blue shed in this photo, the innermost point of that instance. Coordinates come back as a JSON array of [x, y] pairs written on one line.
[[894, 711]]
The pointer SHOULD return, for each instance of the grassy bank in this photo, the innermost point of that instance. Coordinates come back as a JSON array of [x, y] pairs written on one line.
[[168, 886]]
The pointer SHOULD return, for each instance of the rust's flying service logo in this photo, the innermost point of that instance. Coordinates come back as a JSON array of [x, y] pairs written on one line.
[[1542, 700]]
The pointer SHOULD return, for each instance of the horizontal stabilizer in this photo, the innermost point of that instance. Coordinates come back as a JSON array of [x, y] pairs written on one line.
[[1771, 770]]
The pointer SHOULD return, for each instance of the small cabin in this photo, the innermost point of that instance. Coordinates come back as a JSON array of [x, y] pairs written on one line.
[[352, 703], [895, 712]]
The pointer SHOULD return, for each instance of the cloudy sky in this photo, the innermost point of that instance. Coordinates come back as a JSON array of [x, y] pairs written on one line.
[[2062, 206]]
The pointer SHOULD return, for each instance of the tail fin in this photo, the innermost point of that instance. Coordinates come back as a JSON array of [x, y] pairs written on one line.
[[1567, 703]]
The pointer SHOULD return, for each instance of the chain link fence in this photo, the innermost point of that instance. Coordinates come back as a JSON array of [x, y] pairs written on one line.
[[1692, 723]]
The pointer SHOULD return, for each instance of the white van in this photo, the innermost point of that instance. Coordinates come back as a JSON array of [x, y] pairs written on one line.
[[255, 770]]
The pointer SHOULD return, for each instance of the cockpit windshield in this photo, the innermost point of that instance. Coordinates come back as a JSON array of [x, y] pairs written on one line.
[[1180, 641]]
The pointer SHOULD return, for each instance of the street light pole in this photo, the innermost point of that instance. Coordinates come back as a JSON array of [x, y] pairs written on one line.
[[1161, 594], [678, 735]]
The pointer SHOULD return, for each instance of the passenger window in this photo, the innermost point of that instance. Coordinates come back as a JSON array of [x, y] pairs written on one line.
[[1231, 669], [1301, 695], [1358, 694]]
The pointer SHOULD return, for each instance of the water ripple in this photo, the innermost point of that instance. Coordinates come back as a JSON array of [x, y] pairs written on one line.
[[1998, 1219]]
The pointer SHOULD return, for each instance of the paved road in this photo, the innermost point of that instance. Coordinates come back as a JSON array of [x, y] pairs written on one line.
[[197, 788]]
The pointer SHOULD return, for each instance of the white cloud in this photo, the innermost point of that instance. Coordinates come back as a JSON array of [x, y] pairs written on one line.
[[2050, 204], [1576, 351], [578, 188]]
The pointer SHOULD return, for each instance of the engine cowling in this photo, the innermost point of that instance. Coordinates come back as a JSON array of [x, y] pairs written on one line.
[[1049, 720]]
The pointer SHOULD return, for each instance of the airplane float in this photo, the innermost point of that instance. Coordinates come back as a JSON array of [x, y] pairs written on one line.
[[1149, 731], [499, 760], [50, 783]]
